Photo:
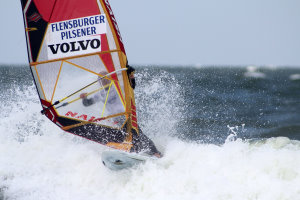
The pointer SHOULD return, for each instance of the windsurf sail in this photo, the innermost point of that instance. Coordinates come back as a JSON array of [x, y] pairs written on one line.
[[78, 62]]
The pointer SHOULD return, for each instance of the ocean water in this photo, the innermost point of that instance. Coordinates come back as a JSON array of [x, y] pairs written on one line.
[[226, 134]]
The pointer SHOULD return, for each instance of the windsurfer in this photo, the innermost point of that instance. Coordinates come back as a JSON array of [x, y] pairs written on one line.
[[142, 142], [103, 96], [112, 97]]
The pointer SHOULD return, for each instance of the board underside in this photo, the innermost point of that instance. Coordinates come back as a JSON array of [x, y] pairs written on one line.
[[117, 160]]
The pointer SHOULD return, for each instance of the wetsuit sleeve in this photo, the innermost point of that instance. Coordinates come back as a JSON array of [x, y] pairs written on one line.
[[130, 69], [130, 74]]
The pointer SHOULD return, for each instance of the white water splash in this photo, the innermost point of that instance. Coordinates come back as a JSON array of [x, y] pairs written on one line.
[[39, 161], [233, 132], [294, 77], [253, 73]]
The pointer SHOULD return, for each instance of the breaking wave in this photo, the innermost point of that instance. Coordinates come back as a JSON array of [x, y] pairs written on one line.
[[39, 161]]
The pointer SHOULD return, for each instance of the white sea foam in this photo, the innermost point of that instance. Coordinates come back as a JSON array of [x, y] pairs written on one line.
[[39, 161], [253, 73], [294, 77]]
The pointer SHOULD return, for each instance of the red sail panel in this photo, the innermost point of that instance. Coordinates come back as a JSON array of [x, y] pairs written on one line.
[[61, 10], [45, 8]]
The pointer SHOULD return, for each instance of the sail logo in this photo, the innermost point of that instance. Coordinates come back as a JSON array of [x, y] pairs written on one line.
[[35, 17], [82, 117], [85, 117], [75, 37], [75, 46]]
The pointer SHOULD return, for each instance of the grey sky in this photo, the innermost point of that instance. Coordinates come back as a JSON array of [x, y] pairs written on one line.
[[173, 32]]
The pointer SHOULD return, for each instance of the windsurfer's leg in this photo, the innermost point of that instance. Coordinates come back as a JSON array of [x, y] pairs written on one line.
[[149, 146], [143, 143]]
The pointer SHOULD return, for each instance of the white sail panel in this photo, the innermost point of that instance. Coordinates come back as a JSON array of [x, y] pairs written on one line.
[[48, 75], [37, 82], [92, 63]]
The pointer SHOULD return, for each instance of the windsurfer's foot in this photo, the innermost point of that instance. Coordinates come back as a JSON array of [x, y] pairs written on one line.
[[158, 155], [154, 153]]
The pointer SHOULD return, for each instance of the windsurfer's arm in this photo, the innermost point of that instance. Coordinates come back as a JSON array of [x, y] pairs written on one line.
[[130, 73]]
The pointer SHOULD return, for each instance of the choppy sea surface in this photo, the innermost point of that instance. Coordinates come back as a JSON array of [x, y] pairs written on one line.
[[227, 133]]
